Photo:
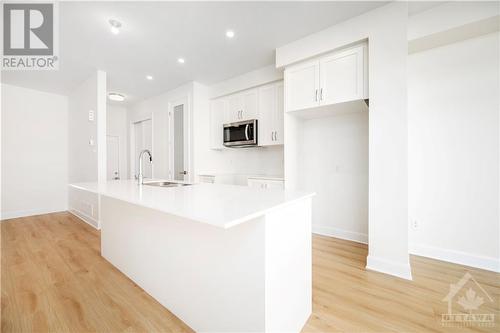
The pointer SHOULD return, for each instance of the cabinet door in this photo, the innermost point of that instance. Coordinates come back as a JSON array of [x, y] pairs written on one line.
[[250, 102], [257, 183], [267, 106], [302, 86], [217, 111], [279, 184], [234, 108], [266, 183], [279, 115], [342, 76]]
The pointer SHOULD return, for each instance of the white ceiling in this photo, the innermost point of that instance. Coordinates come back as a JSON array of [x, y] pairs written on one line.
[[155, 34]]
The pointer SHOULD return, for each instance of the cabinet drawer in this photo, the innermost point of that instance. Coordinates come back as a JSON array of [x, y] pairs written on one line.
[[266, 183]]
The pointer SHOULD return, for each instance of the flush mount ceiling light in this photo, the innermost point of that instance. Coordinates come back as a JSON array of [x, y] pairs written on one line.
[[181, 60], [149, 77], [115, 26], [229, 33], [116, 97]]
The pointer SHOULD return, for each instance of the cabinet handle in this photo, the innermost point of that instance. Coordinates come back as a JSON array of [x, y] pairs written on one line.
[[316, 95], [272, 136], [275, 136], [321, 94]]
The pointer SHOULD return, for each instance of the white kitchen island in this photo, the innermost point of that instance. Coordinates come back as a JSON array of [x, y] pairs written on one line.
[[222, 258]]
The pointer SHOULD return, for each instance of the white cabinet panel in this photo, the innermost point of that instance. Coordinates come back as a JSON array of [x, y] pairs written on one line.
[[271, 114], [267, 106], [342, 76], [234, 108], [279, 115], [302, 86], [335, 78], [217, 112], [242, 106], [250, 104]]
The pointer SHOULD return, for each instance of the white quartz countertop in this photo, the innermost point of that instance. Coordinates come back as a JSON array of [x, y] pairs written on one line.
[[220, 205]]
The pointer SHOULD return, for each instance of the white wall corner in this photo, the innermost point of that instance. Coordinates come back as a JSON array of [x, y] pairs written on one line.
[[340, 233], [389, 267], [456, 257]]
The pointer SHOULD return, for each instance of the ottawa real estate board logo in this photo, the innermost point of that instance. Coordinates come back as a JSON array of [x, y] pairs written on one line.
[[30, 36]]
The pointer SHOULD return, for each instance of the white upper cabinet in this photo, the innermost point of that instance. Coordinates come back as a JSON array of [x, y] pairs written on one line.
[[242, 106], [342, 76], [302, 85], [334, 78], [264, 104], [218, 109], [271, 114]]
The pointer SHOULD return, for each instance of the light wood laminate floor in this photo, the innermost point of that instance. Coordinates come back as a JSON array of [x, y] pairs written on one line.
[[54, 279]]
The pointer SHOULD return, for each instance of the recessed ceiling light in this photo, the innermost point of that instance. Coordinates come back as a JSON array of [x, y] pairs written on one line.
[[230, 34], [115, 26], [149, 77], [116, 97], [181, 60]]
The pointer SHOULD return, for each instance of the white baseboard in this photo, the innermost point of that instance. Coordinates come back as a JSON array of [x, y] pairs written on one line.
[[389, 267], [29, 212], [340, 233], [456, 257], [85, 218]]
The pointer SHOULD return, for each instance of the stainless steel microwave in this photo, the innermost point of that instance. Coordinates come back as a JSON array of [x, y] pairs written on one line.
[[241, 134]]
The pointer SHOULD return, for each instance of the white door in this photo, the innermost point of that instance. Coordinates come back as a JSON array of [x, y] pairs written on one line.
[[342, 76], [113, 157], [179, 140], [302, 86], [143, 139]]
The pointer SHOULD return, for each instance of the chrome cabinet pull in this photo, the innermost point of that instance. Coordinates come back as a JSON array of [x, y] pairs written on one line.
[[316, 95], [321, 94]]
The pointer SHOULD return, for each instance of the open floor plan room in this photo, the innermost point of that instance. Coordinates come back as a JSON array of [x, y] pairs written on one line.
[[250, 166]]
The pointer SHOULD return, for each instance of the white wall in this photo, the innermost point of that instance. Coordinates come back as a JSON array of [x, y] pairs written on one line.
[[334, 164], [385, 28], [117, 125], [453, 115], [34, 152], [87, 163], [83, 157]]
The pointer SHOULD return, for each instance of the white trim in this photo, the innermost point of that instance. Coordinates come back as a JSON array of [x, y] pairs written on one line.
[[389, 267], [456, 257], [30, 212], [340, 233], [85, 218]]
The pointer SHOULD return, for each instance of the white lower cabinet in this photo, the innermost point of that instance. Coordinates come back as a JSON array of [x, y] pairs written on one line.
[[266, 183], [207, 179]]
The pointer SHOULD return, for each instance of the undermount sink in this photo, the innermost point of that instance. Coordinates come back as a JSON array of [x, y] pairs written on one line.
[[166, 184]]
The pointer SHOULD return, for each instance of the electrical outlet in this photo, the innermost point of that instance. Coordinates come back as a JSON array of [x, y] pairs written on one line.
[[414, 224]]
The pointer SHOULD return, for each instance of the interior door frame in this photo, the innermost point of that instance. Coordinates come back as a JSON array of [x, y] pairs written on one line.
[[133, 171], [184, 100]]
